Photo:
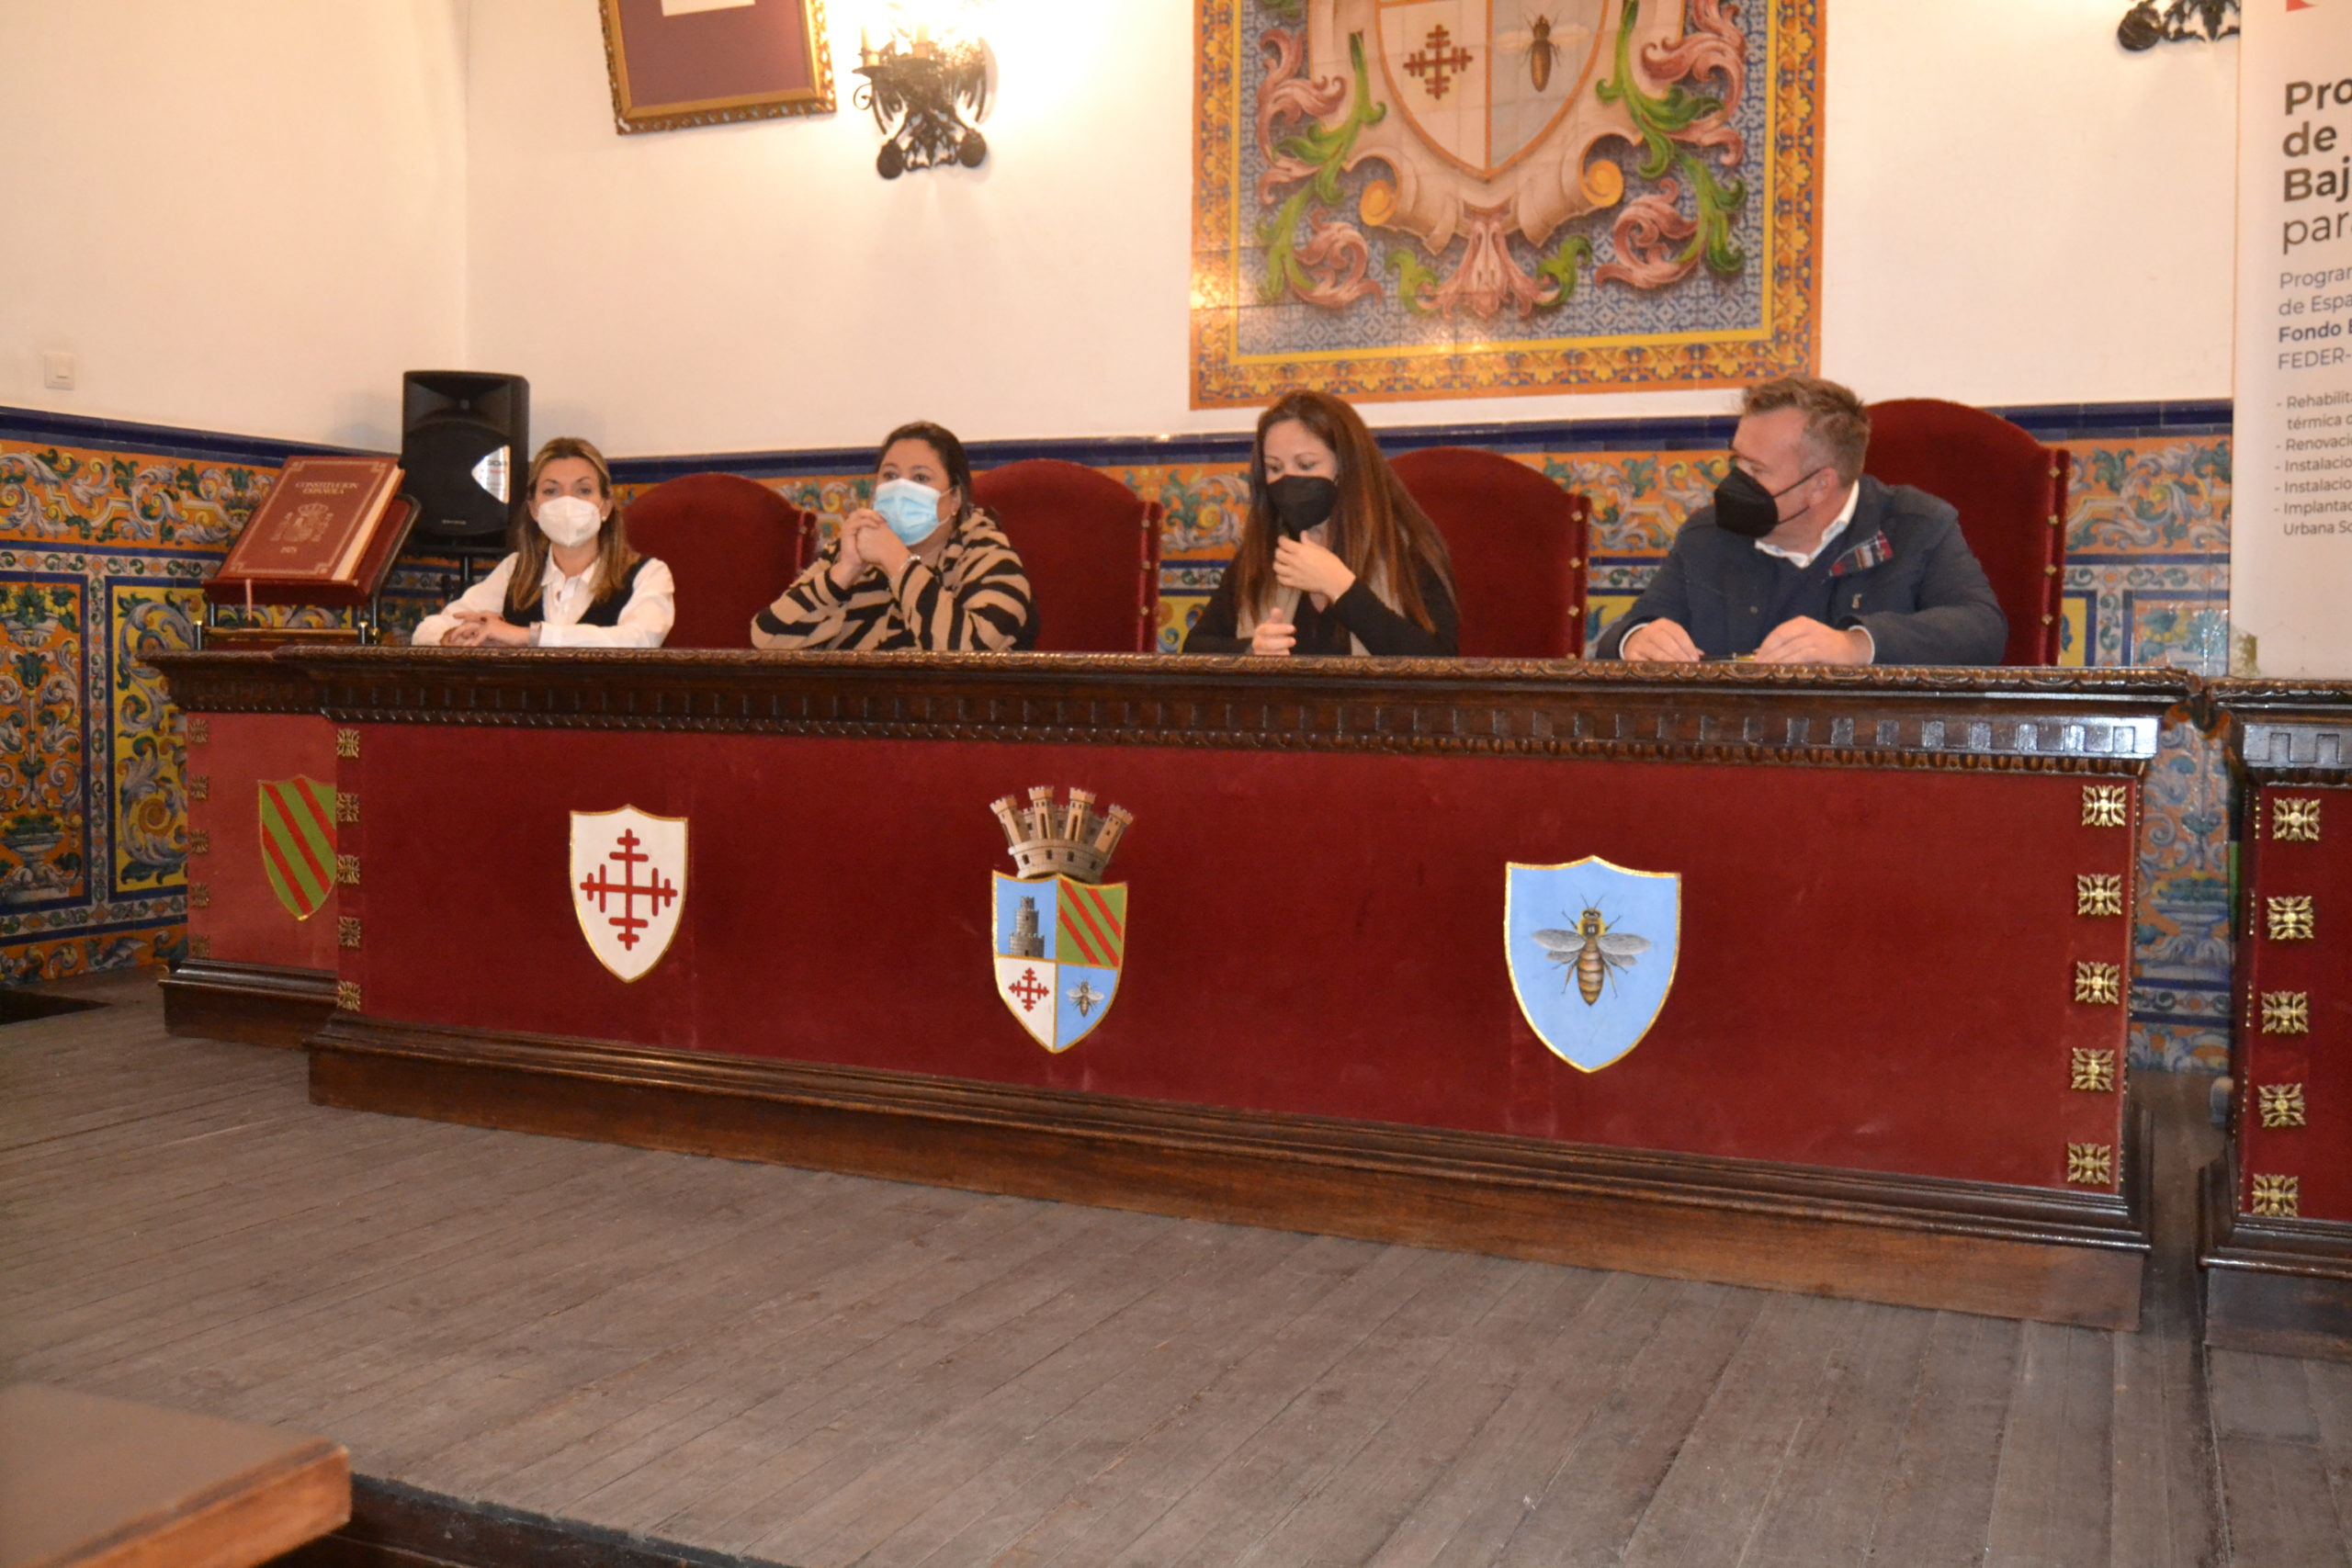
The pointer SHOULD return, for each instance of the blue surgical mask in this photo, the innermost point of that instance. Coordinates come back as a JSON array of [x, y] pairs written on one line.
[[910, 509]]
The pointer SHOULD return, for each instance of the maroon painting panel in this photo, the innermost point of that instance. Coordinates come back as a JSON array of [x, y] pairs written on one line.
[[1876, 966], [736, 51], [2317, 1058], [241, 917]]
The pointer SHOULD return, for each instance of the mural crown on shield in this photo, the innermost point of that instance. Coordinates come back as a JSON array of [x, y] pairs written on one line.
[[1061, 933]]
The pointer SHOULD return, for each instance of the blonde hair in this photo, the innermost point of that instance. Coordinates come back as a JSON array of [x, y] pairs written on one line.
[[613, 556]]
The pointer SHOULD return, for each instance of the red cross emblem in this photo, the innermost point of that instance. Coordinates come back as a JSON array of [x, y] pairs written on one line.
[[628, 885], [601, 887], [1436, 65], [1030, 989]]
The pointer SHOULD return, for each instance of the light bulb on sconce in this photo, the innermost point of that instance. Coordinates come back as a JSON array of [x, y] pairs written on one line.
[[928, 77]]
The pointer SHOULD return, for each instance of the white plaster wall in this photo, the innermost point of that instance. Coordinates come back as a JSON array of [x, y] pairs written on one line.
[[243, 215], [760, 286], [251, 216], [2016, 213]]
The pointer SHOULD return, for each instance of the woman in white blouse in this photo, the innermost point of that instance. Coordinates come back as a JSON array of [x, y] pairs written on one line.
[[572, 581]]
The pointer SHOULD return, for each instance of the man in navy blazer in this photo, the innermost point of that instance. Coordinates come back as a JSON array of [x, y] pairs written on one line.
[[1802, 559]]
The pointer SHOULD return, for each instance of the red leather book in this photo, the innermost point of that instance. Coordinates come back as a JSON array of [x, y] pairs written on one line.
[[315, 532]]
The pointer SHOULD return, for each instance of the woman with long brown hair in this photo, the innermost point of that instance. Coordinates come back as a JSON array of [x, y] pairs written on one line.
[[1335, 556], [573, 582]]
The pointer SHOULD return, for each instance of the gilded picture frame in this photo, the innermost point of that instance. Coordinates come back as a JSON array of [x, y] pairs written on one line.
[[679, 63]]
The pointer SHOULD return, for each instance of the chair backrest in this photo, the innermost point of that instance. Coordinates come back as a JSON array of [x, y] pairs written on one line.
[[2011, 492], [1091, 547], [732, 543], [1518, 543]]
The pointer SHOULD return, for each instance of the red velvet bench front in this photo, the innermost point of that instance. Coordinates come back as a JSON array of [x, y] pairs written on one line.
[[1890, 1065]]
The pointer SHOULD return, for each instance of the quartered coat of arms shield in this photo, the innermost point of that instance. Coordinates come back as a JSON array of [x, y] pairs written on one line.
[[1059, 946], [1592, 949], [628, 884], [1060, 931]]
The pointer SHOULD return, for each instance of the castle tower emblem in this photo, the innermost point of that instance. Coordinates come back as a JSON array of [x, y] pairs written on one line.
[[1061, 931]]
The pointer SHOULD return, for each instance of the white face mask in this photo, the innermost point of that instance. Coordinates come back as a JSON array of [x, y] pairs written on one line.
[[570, 520]]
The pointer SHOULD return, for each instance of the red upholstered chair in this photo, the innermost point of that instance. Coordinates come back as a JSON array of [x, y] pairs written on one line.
[[1518, 543], [732, 543], [2011, 492], [1091, 547]]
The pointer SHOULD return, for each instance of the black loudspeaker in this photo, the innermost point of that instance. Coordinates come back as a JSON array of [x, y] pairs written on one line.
[[463, 443]]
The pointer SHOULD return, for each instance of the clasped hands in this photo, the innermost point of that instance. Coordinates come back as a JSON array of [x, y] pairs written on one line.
[[484, 628], [866, 541], [1802, 641], [1309, 567]]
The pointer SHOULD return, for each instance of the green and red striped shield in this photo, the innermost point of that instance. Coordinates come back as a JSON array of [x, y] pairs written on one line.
[[298, 843]]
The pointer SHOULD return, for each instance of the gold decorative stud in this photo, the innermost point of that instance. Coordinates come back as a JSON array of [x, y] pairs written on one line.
[[2286, 1012], [346, 931], [2098, 894], [347, 996], [199, 895], [2278, 1197], [346, 743], [2090, 1165], [200, 842], [199, 947], [2094, 1070], [346, 869], [2100, 983], [2106, 806], [2290, 917], [199, 730], [199, 786], [2294, 820], [346, 806], [2281, 1104]]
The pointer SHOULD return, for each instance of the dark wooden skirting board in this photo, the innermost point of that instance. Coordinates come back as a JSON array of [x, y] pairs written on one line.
[[394, 1526], [2001, 1251], [254, 1004], [2279, 1287]]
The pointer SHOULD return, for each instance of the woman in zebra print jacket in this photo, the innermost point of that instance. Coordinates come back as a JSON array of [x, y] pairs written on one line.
[[920, 567]]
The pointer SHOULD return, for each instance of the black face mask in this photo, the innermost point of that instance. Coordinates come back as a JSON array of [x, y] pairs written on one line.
[[1302, 501], [1743, 506]]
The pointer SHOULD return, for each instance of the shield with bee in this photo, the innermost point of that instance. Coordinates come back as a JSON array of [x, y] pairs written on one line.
[[1592, 949]]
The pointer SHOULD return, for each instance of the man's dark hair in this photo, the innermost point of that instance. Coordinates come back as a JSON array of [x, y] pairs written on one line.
[[1837, 426]]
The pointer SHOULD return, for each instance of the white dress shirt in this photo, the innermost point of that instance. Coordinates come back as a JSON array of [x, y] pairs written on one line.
[[1837, 526], [644, 619]]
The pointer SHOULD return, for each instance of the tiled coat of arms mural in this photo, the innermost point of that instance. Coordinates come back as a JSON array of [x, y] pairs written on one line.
[[1419, 198], [101, 550]]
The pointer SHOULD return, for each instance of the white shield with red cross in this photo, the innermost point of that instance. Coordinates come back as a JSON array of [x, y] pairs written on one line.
[[629, 882]]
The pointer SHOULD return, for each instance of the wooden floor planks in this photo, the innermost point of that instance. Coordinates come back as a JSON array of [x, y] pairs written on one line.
[[825, 1370]]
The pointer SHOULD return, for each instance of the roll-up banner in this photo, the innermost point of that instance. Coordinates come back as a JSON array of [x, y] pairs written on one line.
[[2290, 529]]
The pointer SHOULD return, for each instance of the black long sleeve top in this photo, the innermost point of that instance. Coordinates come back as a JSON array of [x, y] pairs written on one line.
[[1358, 613]]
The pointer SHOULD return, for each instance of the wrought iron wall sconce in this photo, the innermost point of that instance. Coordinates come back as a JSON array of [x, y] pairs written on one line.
[[925, 86], [2147, 25]]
